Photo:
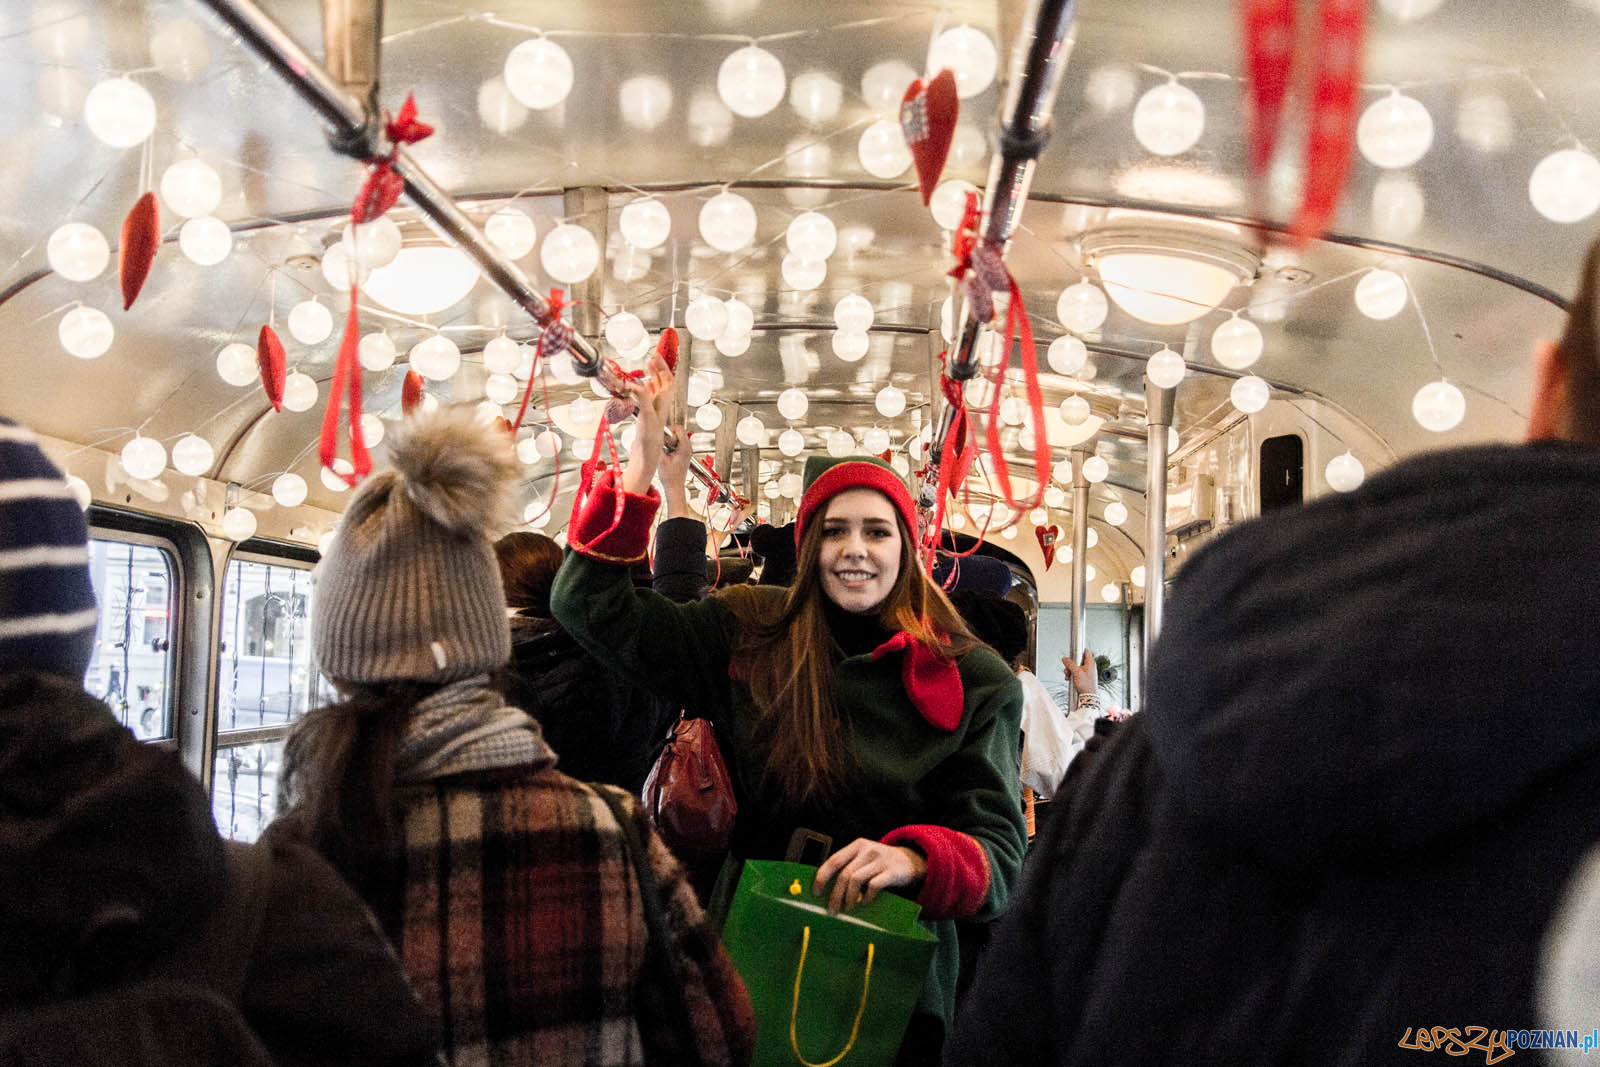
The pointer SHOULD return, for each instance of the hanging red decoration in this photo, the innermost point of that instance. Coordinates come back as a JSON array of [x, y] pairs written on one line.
[[667, 348], [1047, 536], [555, 338], [411, 392], [141, 237], [1270, 33], [928, 114], [377, 195], [270, 361]]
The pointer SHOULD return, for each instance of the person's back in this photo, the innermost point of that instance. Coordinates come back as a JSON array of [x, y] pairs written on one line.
[[1369, 763], [130, 932], [504, 882]]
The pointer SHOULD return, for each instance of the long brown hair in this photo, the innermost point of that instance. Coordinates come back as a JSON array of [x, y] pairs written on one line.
[[338, 786], [784, 659]]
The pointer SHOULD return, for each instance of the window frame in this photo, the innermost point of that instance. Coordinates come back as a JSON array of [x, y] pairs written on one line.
[[103, 527]]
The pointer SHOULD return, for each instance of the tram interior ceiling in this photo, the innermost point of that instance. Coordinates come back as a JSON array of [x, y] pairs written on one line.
[[737, 171]]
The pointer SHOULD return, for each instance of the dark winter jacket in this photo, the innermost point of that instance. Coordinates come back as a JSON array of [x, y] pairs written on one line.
[[110, 863], [1369, 762]]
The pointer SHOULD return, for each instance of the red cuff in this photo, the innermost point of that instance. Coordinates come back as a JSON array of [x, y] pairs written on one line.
[[957, 882], [599, 533]]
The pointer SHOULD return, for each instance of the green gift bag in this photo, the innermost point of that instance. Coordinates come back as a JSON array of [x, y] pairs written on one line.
[[827, 989]]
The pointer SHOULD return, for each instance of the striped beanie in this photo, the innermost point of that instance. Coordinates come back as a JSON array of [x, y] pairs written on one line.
[[410, 588], [47, 610]]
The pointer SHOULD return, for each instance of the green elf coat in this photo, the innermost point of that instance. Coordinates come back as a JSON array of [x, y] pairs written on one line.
[[944, 783]]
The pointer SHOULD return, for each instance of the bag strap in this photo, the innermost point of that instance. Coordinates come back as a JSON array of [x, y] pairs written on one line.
[[658, 949], [794, 1012]]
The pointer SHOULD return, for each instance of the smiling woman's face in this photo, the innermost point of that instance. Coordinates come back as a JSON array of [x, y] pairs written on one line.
[[860, 557]]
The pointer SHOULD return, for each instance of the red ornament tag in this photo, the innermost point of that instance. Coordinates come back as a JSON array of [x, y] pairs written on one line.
[[411, 392], [270, 362], [141, 237], [928, 115], [667, 348], [1047, 543]]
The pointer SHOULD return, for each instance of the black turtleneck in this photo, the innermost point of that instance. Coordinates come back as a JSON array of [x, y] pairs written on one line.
[[856, 635]]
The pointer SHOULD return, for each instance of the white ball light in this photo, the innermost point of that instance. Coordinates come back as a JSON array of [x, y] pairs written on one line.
[[733, 344], [499, 110], [699, 390], [1110, 87], [812, 235], [86, 332], [1236, 343], [890, 401], [239, 524], [751, 81], [512, 232], [728, 222], [144, 457], [1116, 513], [1074, 410], [706, 318], [78, 252], [1111, 592], [1381, 294], [80, 491], [1483, 120], [751, 430], [548, 443], [645, 223], [582, 411], [791, 442], [1038, 516], [120, 112], [1409, 10], [957, 521], [1438, 406], [569, 253], [645, 101], [947, 315], [299, 391], [968, 53], [1344, 472], [1012, 410], [488, 412], [205, 240], [1066, 354], [331, 477], [539, 73], [527, 451], [741, 320], [191, 188], [792, 404], [623, 330], [1081, 307], [803, 275], [337, 267], [708, 416], [816, 97], [436, 358], [1165, 369], [289, 490], [372, 429], [853, 314], [1394, 132], [192, 455], [884, 85], [536, 514], [1009, 533], [949, 202], [1062, 471], [1250, 394], [310, 323], [1096, 469], [791, 485], [883, 151], [1136, 576], [501, 354], [1169, 119], [236, 364], [840, 443], [849, 346], [875, 440], [500, 388], [374, 243], [1398, 205], [1565, 186]]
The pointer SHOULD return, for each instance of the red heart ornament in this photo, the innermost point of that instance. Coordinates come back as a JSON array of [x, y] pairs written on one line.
[[1047, 542], [141, 236], [270, 362], [928, 114]]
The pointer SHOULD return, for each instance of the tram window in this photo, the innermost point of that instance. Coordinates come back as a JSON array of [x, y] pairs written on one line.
[[132, 666], [244, 787], [265, 681]]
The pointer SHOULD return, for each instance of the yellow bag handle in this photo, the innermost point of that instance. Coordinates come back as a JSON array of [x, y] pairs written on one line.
[[794, 1012]]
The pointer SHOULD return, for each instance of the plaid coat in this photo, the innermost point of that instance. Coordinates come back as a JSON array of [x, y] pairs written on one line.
[[522, 929]]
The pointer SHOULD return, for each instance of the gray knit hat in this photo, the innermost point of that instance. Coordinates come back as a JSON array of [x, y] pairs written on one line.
[[410, 588]]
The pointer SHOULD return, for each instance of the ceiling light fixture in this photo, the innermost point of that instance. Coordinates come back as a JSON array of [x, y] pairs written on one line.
[[1165, 273]]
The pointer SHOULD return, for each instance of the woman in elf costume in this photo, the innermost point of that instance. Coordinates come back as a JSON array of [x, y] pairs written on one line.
[[854, 704]]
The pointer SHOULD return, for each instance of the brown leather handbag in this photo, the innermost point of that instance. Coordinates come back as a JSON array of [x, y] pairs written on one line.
[[688, 793]]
